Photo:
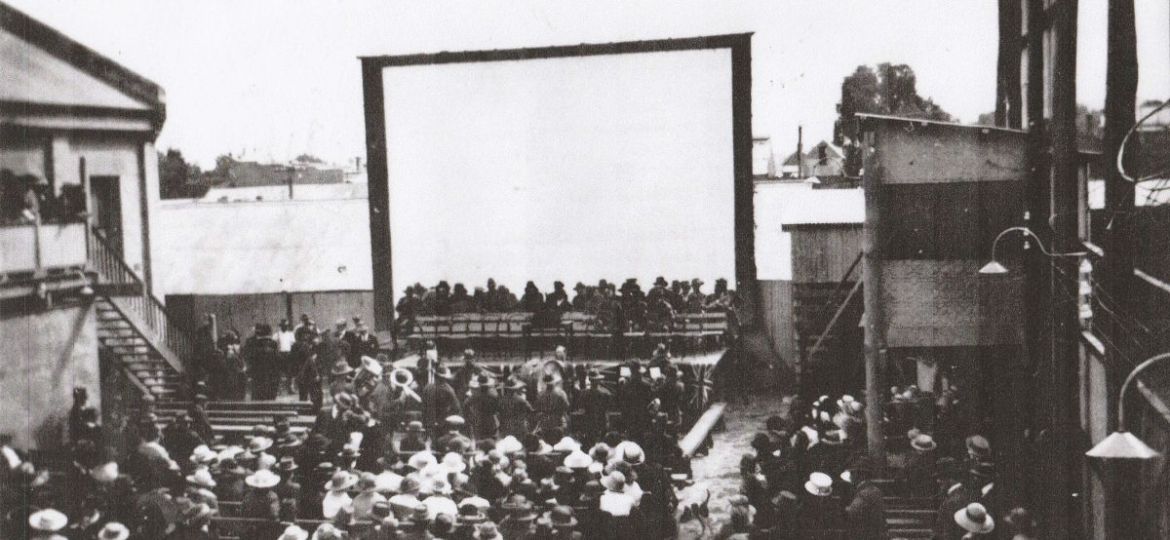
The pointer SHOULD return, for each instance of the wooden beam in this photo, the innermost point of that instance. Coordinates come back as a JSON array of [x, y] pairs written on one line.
[[703, 426], [833, 321], [875, 317]]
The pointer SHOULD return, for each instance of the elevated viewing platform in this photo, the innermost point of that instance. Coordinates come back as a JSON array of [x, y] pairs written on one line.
[[53, 254], [587, 335]]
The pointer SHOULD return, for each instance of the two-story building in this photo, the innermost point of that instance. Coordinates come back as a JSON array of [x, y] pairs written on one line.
[[79, 173]]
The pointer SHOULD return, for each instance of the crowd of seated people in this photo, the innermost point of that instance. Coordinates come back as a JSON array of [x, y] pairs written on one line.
[[809, 473], [624, 307], [457, 454]]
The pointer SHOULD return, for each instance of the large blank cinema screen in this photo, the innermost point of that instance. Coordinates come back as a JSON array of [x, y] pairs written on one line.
[[572, 169]]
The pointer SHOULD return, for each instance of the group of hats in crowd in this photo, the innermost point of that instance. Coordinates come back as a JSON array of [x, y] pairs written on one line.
[[439, 491]]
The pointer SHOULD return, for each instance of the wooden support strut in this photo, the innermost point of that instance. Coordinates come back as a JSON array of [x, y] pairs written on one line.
[[833, 322]]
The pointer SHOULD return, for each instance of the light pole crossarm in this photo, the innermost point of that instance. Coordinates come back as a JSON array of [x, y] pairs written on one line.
[[1028, 233]]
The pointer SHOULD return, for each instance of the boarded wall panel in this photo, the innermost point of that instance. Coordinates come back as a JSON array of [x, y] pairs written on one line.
[[824, 253], [916, 153], [241, 312], [948, 303], [327, 307], [234, 312], [947, 221], [937, 195]]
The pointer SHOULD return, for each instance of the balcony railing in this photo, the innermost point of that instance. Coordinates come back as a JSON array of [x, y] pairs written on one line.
[[38, 249], [138, 305]]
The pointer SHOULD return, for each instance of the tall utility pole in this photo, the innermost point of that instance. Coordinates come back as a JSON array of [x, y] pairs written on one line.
[[1066, 460], [875, 325], [1007, 100], [292, 175], [1122, 517], [800, 151]]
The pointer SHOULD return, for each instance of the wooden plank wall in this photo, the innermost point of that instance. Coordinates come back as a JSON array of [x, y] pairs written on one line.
[[776, 297], [949, 304], [944, 192], [241, 312], [824, 253]]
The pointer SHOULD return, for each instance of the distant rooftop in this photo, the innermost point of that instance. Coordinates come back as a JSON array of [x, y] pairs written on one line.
[[301, 192]]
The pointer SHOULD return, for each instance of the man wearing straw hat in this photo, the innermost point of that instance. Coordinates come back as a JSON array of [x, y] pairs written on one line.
[[113, 531], [975, 519], [918, 475], [261, 501], [46, 523], [819, 510]]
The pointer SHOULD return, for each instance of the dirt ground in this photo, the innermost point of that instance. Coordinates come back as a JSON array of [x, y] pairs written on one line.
[[719, 470]]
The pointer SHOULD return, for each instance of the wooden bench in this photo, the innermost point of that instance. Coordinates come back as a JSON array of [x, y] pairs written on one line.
[[233, 419], [490, 332], [910, 517]]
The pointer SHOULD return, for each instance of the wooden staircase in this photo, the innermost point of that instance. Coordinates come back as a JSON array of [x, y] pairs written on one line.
[[135, 352], [234, 420], [826, 318], [910, 517], [134, 326]]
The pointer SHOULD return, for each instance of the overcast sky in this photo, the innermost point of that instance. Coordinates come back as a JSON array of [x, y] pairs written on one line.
[[275, 79]]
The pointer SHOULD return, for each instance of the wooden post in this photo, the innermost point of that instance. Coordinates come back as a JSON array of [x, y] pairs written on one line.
[[875, 329], [1064, 484], [800, 151], [1032, 392], [1122, 515], [1007, 102]]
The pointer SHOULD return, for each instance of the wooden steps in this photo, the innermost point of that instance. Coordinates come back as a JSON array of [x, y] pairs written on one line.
[[233, 419], [134, 352]]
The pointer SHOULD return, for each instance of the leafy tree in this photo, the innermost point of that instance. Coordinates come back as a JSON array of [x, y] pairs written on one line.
[[223, 164], [176, 175], [885, 89]]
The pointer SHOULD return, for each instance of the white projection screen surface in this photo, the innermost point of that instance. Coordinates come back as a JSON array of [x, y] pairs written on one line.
[[571, 168]]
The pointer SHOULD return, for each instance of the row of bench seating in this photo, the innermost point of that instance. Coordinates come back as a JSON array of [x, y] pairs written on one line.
[[235, 419], [520, 325], [508, 333]]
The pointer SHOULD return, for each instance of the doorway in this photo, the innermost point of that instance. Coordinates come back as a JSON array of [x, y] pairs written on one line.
[[105, 204]]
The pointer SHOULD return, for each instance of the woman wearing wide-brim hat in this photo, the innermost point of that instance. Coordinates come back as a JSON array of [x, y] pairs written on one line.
[[337, 499]]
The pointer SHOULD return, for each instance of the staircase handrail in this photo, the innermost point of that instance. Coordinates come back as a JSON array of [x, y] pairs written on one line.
[[146, 308]]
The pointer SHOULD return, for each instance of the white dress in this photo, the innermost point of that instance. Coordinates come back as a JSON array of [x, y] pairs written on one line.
[[334, 502]]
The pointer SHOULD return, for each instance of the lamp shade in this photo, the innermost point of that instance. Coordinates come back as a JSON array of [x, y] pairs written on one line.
[[993, 267], [1122, 445]]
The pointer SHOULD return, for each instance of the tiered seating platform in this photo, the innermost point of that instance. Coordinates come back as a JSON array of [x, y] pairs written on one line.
[[509, 333]]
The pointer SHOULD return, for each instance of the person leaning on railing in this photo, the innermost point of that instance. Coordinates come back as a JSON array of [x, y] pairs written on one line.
[[28, 198]]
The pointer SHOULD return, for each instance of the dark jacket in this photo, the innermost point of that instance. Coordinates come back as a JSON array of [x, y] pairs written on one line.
[[438, 402]]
